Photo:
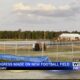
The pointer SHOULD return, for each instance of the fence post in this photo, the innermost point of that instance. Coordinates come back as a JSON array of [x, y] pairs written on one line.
[[16, 48], [4, 47], [72, 51], [42, 48], [57, 51]]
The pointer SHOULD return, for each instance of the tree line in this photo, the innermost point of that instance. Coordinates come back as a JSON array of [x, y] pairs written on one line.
[[31, 34]]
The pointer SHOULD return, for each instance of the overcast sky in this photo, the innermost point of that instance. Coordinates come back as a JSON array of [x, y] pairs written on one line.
[[52, 15]]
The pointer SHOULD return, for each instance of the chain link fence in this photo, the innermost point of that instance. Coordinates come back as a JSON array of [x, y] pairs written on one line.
[[56, 51]]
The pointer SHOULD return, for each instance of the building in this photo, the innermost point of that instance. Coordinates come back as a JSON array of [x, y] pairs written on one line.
[[69, 37]]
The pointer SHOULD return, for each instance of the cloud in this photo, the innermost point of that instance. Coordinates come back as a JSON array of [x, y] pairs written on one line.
[[21, 6], [46, 10], [46, 7]]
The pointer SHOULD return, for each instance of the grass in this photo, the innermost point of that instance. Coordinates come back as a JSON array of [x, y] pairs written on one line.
[[5, 60], [18, 39], [12, 39]]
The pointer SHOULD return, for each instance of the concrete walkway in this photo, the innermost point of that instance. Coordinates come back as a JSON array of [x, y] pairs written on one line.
[[38, 75]]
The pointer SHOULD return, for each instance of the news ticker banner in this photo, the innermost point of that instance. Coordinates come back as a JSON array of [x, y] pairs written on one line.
[[40, 65]]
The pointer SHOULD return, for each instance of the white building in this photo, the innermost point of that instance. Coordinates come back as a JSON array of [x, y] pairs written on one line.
[[69, 36]]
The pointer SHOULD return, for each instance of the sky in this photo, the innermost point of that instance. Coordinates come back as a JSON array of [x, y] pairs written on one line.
[[41, 15]]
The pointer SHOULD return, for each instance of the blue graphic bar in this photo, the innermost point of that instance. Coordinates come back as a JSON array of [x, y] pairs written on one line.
[[37, 65]]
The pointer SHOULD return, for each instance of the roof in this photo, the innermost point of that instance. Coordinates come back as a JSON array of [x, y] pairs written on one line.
[[69, 35]]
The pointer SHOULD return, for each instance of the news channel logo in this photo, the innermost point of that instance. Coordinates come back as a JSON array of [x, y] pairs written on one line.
[[76, 65]]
